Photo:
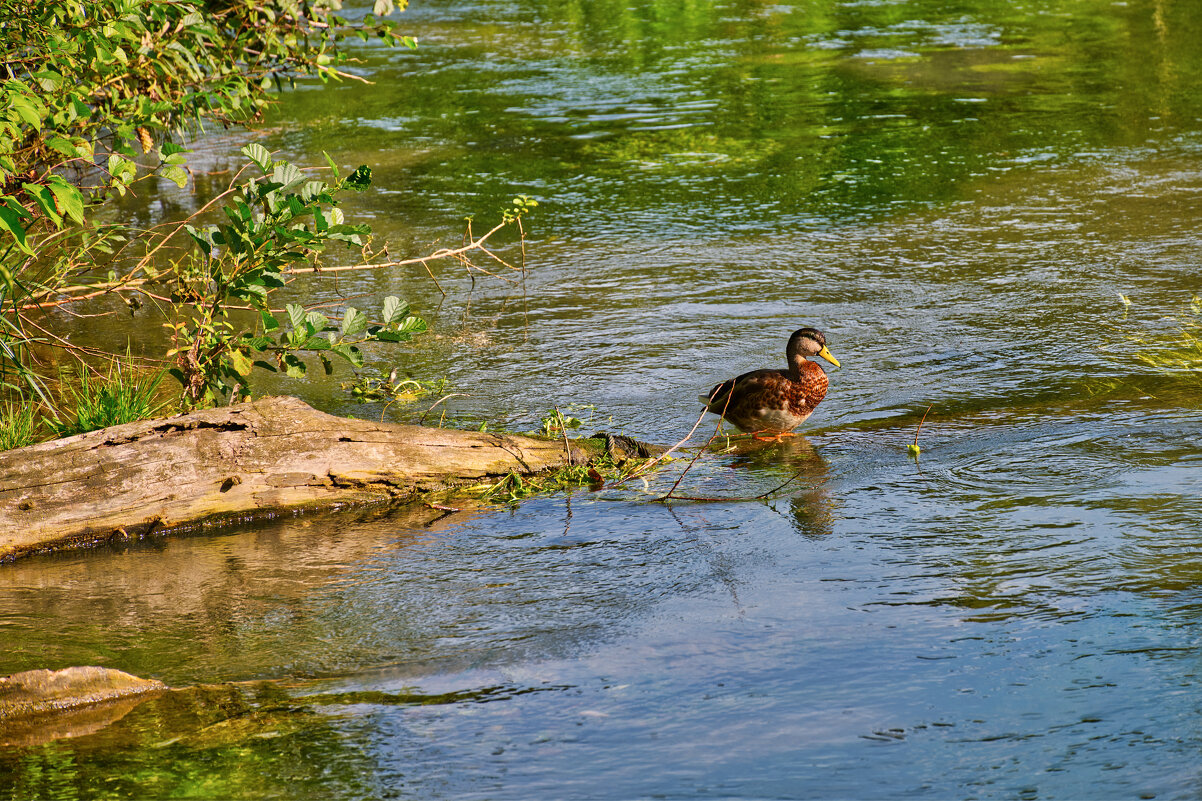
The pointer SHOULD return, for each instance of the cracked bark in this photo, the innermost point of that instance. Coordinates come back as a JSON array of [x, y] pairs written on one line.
[[263, 458]]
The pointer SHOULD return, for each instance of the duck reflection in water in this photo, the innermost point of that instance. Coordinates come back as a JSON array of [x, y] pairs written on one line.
[[803, 478]]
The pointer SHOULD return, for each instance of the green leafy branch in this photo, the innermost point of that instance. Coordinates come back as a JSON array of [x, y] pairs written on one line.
[[272, 221], [89, 89]]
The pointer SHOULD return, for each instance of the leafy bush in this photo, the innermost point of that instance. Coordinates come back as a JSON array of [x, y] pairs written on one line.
[[98, 96], [273, 222], [93, 95]]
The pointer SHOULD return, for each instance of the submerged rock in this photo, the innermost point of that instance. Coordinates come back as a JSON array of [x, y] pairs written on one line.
[[41, 705]]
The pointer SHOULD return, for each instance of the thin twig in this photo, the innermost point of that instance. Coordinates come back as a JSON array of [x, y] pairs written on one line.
[[440, 400], [920, 422], [563, 428], [648, 465], [438, 254], [701, 450]]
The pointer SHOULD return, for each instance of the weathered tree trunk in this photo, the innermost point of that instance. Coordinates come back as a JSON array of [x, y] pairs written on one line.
[[266, 457]]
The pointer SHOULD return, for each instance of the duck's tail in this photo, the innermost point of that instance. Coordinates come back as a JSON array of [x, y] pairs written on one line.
[[715, 399]]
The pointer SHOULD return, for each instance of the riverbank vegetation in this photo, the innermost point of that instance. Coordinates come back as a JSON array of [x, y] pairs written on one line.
[[99, 99]]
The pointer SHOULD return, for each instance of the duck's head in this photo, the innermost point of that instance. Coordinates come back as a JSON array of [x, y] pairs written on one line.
[[807, 342]]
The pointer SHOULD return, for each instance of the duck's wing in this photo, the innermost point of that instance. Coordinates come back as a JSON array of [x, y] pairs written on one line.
[[752, 384]]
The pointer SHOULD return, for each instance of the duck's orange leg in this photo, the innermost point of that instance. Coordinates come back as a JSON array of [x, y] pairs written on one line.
[[777, 437]]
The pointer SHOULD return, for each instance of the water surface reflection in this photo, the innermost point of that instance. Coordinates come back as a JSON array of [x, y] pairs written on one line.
[[956, 194]]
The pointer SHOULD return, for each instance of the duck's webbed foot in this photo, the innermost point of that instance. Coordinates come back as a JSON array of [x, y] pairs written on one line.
[[771, 437]]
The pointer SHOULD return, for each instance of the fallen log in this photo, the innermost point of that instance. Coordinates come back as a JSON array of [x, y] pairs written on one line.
[[262, 458]]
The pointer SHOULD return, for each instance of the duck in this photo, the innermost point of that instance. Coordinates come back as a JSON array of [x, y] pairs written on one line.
[[774, 402]]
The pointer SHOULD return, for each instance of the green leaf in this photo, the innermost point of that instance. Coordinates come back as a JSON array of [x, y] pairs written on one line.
[[17, 208], [286, 175], [27, 110], [200, 237], [271, 279], [240, 362], [293, 366], [360, 179], [394, 309], [350, 353], [259, 343], [176, 174], [45, 200], [11, 221], [311, 189], [64, 146], [120, 167], [48, 80], [353, 322], [414, 325], [255, 294], [296, 315], [69, 198], [259, 155], [270, 323], [333, 166], [393, 336]]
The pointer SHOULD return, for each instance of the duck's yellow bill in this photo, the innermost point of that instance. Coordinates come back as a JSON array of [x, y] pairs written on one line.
[[826, 354]]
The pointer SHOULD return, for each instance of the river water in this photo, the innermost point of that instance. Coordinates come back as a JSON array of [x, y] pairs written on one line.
[[992, 210]]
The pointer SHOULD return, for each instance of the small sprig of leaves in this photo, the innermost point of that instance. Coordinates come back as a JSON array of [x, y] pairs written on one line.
[[513, 488], [556, 423], [312, 331], [519, 206]]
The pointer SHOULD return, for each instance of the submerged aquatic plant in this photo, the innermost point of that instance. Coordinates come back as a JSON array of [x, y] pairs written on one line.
[[1171, 347], [1180, 351], [390, 387]]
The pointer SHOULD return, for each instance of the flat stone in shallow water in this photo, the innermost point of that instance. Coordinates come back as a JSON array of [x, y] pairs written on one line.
[[41, 705]]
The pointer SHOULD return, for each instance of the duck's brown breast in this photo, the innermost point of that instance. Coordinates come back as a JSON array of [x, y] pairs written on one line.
[[808, 390]]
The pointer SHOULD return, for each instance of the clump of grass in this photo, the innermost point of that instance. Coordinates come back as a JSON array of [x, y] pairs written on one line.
[[90, 402], [19, 425]]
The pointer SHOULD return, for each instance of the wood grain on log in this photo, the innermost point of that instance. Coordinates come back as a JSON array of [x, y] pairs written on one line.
[[265, 457]]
